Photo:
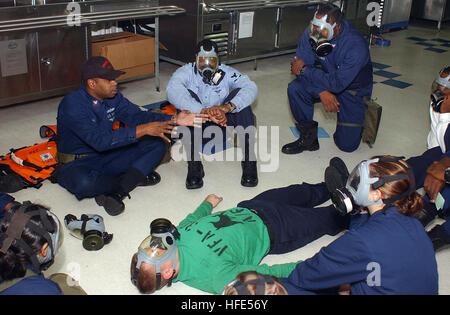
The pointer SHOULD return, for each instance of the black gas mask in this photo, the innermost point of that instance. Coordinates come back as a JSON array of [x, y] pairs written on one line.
[[437, 96], [207, 63]]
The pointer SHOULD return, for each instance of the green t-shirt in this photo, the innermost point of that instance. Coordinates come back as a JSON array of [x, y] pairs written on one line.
[[215, 248]]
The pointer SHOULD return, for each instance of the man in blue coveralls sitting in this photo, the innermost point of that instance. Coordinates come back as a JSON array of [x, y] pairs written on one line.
[[340, 83], [98, 161]]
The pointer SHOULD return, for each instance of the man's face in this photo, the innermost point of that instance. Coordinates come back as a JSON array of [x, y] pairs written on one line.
[[103, 88]]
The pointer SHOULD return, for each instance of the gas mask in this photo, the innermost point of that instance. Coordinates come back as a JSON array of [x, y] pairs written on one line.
[[89, 228], [321, 33], [50, 230], [158, 248], [355, 194], [437, 96], [207, 63]]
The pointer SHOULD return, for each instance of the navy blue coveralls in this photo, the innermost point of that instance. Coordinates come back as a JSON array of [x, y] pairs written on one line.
[[85, 126], [33, 285], [347, 67], [385, 253]]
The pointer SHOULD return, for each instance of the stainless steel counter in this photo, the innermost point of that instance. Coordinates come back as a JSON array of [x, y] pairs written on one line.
[[44, 43]]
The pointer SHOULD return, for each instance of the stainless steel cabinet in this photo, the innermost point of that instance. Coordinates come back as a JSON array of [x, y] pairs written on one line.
[[275, 28], [434, 10], [41, 52], [293, 22], [262, 39], [61, 54], [50, 65]]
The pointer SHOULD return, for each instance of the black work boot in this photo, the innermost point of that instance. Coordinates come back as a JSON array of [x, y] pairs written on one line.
[[428, 213], [439, 237], [333, 179], [249, 174], [195, 175], [112, 203], [151, 179], [307, 141]]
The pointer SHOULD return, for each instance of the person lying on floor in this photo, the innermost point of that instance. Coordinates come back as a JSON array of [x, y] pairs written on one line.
[[385, 251], [207, 250]]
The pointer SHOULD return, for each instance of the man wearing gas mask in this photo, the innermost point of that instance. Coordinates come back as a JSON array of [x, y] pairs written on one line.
[[30, 238], [344, 78], [206, 86], [386, 250], [207, 250], [432, 168]]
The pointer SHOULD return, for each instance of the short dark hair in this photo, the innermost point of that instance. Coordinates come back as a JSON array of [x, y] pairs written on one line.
[[207, 46], [446, 70], [333, 11]]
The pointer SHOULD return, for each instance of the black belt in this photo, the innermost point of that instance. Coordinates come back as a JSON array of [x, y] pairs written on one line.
[[267, 224]]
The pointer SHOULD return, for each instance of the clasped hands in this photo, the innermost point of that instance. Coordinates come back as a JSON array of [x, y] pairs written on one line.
[[215, 114]]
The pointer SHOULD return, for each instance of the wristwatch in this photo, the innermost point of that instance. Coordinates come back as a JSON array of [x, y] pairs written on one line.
[[232, 107], [447, 175], [302, 70]]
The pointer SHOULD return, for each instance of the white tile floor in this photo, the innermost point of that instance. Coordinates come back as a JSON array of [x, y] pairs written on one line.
[[404, 128]]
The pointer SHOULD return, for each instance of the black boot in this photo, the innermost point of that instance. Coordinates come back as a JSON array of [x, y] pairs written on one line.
[[307, 141], [439, 237], [112, 203], [195, 175], [333, 179], [151, 179], [249, 174], [427, 214], [336, 174], [340, 166]]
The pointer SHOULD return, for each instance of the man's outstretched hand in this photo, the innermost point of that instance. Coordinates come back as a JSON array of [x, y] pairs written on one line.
[[213, 199], [186, 118]]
